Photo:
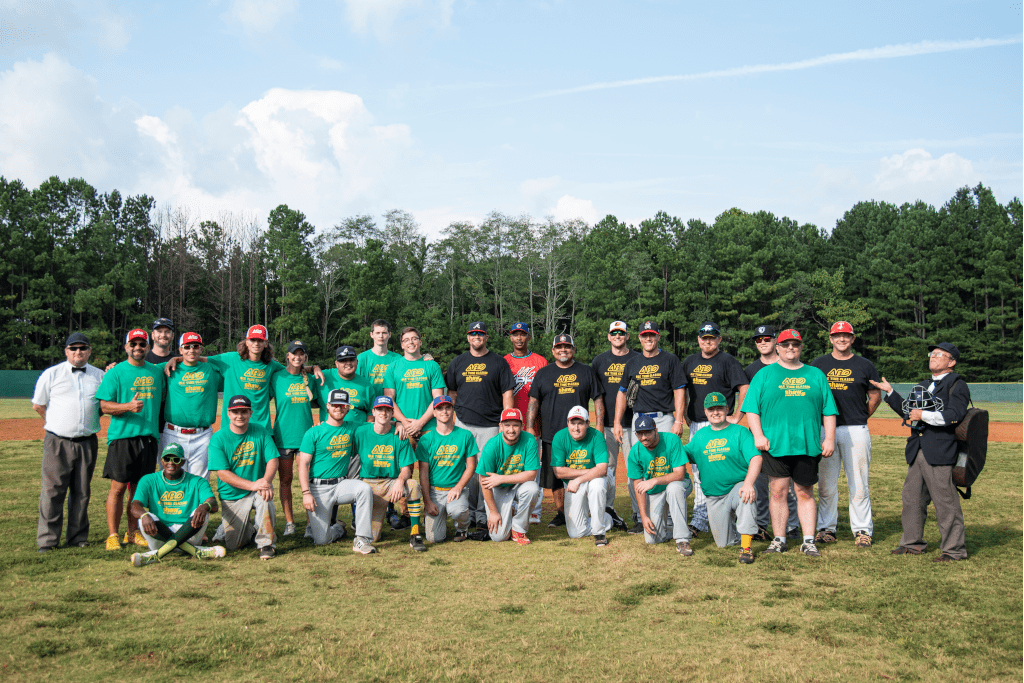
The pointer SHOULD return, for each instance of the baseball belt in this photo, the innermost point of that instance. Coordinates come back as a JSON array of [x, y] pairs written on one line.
[[186, 430], [327, 482], [443, 488]]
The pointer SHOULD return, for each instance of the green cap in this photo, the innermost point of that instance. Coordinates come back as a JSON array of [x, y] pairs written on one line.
[[714, 399], [174, 449]]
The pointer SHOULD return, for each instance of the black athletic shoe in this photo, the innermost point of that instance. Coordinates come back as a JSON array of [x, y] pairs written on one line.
[[480, 535], [600, 540], [416, 543], [638, 528], [557, 521], [403, 523]]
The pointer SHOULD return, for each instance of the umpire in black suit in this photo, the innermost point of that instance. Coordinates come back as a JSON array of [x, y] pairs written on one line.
[[931, 453]]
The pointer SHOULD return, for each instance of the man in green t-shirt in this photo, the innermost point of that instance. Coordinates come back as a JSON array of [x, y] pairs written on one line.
[[179, 505], [787, 406], [413, 382], [131, 393], [324, 458], [579, 457], [293, 418], [447, 457], [360, 392], [658, 465], [374, 361], [729, 465], [386, 462], [507, 467], [244, 458]]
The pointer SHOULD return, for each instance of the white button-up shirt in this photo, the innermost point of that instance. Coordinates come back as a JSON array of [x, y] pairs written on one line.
[[72, 410]]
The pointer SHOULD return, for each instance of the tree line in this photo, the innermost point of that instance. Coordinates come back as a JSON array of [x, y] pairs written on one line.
[[904, 276]]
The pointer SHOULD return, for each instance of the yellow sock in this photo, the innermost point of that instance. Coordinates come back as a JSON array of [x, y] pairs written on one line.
[[745, 540]]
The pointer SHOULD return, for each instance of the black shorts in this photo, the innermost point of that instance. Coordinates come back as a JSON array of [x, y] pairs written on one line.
[[802, 469], [548, 480], [129, 460]]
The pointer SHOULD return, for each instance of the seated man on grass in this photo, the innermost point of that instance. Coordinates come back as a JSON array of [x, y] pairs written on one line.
[[179, 506], [447, 457], [507, 468], [658, 464], [579, 457], [729, 465]]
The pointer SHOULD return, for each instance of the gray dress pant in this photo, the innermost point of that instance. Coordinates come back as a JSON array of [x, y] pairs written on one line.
[[67, 472], [932, 484]]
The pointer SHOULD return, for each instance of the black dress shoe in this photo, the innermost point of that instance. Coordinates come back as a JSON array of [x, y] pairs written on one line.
[[903, 550]]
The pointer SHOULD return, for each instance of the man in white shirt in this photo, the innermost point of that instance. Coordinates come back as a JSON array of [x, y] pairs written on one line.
[[65, 397]]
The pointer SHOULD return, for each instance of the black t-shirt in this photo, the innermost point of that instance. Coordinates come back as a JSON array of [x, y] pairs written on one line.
[[848, 380], [754, 368], [721, 373], [559, 390], [480, 382], [609, 368], [659, 377], [155, 359]]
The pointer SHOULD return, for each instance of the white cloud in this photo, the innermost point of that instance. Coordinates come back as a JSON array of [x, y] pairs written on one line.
[[380, 16], [434, 220], [331, 64], [260, 16], [916, 167], [569, 208], [539, 186]]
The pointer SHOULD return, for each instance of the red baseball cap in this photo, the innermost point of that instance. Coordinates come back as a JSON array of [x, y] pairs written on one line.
[[511, 414], [257, 332], [136, 334], [841, 327], [190, 338], [786, 335]]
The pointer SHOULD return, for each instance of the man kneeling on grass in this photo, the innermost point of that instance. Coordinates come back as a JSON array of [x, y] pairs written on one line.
[[179, 507], [579, 457], [507, 467], [658, 464], [447, 457], [728, 465]]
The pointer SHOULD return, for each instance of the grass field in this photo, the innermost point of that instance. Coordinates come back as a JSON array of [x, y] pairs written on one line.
[[559, 609]]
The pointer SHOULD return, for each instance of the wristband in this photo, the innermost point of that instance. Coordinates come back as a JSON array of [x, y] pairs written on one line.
[[306, 491]]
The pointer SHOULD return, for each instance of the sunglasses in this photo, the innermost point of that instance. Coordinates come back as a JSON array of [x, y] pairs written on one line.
[[173, 459], [761, 340], [78, 348], [477, 334], [617, 334], [133, 344], [190, 347], [789, 345]]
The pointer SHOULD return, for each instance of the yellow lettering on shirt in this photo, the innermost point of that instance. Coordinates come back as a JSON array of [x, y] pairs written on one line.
[[716, 449], [381, 449], [567, 384]]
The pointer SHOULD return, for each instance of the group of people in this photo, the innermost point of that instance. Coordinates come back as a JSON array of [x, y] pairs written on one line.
[[486, 437]]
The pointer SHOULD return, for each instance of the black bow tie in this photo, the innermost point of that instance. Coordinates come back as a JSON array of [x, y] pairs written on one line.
[[74, 369]]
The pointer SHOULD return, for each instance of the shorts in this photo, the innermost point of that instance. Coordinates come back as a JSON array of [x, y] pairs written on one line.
[[287, 453], [129, 460], [802, 469], [548, 480]]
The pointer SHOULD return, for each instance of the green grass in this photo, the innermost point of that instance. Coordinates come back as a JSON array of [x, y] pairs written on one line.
[[558, 609]]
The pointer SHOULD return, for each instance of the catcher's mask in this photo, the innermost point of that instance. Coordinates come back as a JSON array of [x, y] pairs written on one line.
[[921, 399]]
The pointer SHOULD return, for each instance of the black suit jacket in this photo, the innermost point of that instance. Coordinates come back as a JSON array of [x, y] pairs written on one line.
[[938, 443]]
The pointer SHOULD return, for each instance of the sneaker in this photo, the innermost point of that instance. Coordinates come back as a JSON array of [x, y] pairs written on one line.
[[289, 529], [220, 533], [863, 540], [638, 528], [142, 559], [776, 547], [309, 532], [521, 538], [339, 528], [362, 546], [212, 552], [746, 556], [810, 550], [267, 552], [460, 536], [113, 543], [794, 533], [825, 536], [600, 541], [416, 543], [534, 519], [480, 535], [762, 535], [683, 548], [556, 521]]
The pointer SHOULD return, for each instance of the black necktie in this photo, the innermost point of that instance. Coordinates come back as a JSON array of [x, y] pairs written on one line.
[[74, 369]]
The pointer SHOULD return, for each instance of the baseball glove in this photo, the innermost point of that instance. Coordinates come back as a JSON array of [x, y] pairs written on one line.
[[632, 391]]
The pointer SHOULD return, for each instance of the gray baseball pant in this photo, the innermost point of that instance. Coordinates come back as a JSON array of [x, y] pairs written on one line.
[[523, 495], [664, 423], [482, 435], [326, 496], [458, 509], [671, 501], [729, 516], [584, 510], [237, 527]]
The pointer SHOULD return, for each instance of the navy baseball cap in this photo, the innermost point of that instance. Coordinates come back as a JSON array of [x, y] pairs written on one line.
[[338, 397], [297, 346], [563, 339], [163, 322], [383, 402], [443, 398], [649, 327], [519, 327], [644, 423], [709, 329], [948, 348], [763, 331], [239, 402], [345, 353], [477, 327], [77, 338]]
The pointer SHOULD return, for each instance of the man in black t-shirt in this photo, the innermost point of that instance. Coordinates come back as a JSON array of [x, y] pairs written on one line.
[[662, 386], [480, 383], [849, 377], [557, 388], [162, 337], [708, 371]]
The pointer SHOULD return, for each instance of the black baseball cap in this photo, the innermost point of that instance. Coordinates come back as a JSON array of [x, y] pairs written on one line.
[[709, 329], [296, 346], [239, 402], [948, 348], [563, 339], [763, 331], [345, 353], [648, 327], [338, 397], [162, 322], [477, 327], [77, 338]]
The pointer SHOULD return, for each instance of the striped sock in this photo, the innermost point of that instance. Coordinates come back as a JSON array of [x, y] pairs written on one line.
[[414, 508]]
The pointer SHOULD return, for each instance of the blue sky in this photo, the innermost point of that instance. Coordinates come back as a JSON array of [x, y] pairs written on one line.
[[450, 109]]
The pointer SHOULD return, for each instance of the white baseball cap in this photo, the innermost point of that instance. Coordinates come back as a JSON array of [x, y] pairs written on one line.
[[618, 325], [580, 412]]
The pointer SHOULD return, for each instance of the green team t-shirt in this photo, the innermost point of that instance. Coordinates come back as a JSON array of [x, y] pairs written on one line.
[[249, 379], [293, 415], [446, 455], [666, 456], [172, 501], [791, 404], [246, 455], [372, 367], [585, 454], [500, 458], [331, 448], [360, 395], [382, 456], [721, 457], [192, 395], [413, 381], [120, 384]]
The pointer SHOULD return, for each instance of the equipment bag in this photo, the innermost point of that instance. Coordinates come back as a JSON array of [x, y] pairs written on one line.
[[972, 447]]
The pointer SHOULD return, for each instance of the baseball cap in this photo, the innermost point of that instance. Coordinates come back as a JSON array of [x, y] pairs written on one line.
[[77, 338], [580, 412], [477, 327], [709, 329], [789, 334], [764, 331], [383, 402], [618, 326], [239, 402], [714, 400], [648, 327], [948, 348], [644, 423], [257, 332], [190, 338], [345, 353], [136, 334], [162, 322], [443, 398], [296, 346], [841, 327], [338, 397], [562, 339], [173, 449], [511, 414], [519, 327]]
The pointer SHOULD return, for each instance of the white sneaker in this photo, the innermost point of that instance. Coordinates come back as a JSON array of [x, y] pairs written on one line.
[[289, 529], [362, 545], [207, 552]]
